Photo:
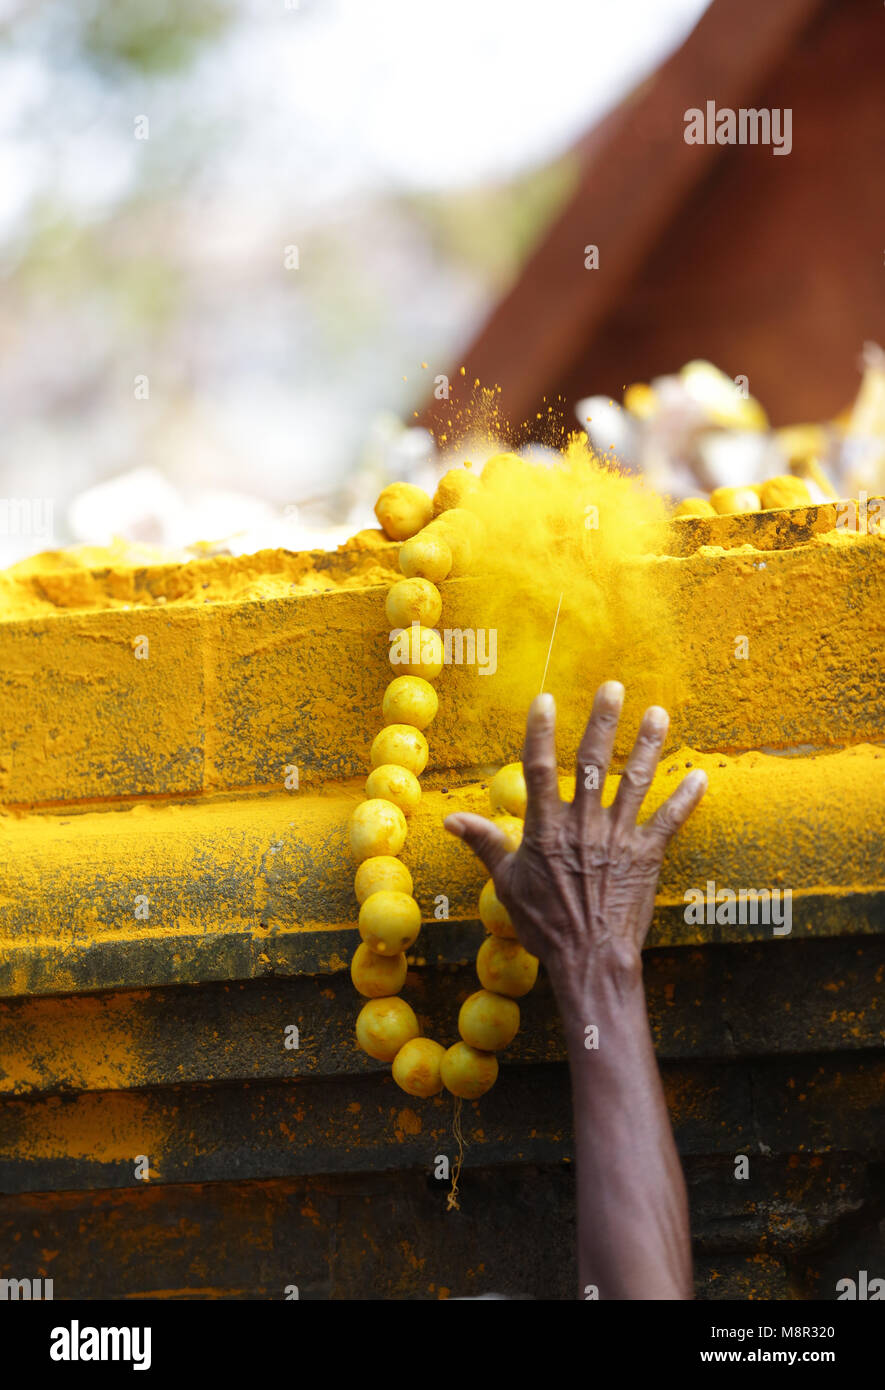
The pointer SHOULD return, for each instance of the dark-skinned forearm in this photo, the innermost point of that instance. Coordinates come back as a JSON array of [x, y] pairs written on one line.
[[633, 1227], [580, 890]]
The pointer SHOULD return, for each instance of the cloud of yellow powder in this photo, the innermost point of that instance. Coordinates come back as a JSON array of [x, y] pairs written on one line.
[[577, 537]]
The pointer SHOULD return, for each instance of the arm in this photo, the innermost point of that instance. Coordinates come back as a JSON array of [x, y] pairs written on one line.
[[580, 891]]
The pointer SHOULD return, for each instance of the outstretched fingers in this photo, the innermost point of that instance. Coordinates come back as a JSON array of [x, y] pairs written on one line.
[[539, 762], [675, 811], [595, 752], [487, 841], [641, 766]]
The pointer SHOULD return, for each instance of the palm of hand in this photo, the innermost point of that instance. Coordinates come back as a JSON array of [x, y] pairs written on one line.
[[582, 883]]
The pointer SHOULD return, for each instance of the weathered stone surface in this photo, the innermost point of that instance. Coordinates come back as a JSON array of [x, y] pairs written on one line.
[[741, 1277], [777, 1205], [234, 691], [237, 889], [715, 1002], [380, 1236], [352, 1124]]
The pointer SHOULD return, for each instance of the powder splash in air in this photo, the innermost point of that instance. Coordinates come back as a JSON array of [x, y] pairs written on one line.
[[572, 538]]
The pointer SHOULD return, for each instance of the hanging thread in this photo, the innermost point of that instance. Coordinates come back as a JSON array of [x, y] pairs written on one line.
[[452, 1203], [550, 648]]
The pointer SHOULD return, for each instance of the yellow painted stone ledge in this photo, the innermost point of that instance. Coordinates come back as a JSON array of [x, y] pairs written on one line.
[[233, 889], [195, 698]]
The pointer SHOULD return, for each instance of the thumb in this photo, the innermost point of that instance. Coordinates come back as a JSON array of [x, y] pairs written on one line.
[[485, 839]]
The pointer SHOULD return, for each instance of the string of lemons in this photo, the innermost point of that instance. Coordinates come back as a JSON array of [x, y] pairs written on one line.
[[438, 538]]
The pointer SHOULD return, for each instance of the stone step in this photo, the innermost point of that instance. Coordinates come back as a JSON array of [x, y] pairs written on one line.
[[712, 1002], [242, 888], [347, 1124], [177, 694]]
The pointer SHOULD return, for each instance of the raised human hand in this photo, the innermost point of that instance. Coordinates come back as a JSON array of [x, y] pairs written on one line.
[[580, 888]]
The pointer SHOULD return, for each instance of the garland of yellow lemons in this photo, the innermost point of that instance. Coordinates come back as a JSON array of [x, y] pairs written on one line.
[[438, 539]]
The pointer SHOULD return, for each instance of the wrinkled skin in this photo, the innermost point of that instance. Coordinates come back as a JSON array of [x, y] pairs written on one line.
[[580, 891]]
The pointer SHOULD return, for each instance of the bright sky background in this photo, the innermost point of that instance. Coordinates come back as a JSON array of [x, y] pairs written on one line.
[[314, 125], [348, 94]]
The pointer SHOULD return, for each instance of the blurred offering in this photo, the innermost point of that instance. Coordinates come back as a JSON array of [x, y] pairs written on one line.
[[700, 437]]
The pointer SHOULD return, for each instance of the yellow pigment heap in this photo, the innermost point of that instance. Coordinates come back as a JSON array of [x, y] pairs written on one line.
[[124, 577]]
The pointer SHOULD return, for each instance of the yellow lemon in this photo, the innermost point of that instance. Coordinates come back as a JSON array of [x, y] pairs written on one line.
[[410, 700], [488, 1021], [458, 543], [467, 1072], [452, 489], [403, 510], [512, 828], [413, 601], [695, 506], [507, 790], [728, 501], [418, 651], [384, 1025], [416, 1067], [389, 921], [506, 967], [376, 827], [785, 491], [493, 914], [426, 557], [401, 744], [381, 872], [377, 976], [396, 784], [463, 533]]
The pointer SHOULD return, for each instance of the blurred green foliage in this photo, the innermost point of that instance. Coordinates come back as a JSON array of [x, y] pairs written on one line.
[[153, 37]]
